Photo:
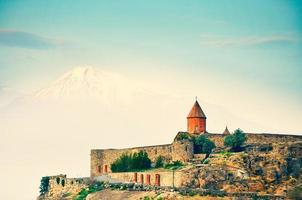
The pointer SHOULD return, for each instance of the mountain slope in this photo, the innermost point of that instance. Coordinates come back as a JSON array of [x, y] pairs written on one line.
[[86, 83]]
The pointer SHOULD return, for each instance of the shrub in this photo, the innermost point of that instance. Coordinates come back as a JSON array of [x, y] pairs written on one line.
[[44, 185], [203, 145], [174, 165], [121, 164], [235, 140], [295, 193], [159, 162], [192, 193], [183, 136], [205, 161], [132, 162], [94, 187], [66, 194]]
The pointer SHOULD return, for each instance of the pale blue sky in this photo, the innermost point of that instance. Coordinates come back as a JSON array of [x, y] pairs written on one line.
[[257, 43]]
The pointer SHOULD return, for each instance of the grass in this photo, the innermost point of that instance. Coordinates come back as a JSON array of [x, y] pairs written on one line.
[[174, 165], [225, 153], [95, 187]]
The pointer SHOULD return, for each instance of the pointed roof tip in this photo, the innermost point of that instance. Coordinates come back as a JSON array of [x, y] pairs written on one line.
[[226, 131], [196, 111]]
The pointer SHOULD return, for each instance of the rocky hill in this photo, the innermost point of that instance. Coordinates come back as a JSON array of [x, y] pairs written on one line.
[[264, 171]]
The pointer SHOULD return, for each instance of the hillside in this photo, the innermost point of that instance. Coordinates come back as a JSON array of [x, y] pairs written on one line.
[[267, 171]]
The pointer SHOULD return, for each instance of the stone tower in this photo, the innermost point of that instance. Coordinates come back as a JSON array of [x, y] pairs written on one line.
[[196, 120]]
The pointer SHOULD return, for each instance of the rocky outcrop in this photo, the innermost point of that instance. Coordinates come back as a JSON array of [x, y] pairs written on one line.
[[268, 169]]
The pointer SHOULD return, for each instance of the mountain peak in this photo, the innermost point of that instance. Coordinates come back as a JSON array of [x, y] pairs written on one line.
[[84, 82], [83, 70]]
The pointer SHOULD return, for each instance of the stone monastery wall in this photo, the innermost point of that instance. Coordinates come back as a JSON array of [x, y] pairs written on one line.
[[60, 184], [101, 159], [157, 178], [253, 138]]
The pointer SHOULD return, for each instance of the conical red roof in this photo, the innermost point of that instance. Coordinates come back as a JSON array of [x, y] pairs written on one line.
[[196, 111]]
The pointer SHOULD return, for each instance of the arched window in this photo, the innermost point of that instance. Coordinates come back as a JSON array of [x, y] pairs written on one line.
[[63, 182], [58, 180], [100, 169]]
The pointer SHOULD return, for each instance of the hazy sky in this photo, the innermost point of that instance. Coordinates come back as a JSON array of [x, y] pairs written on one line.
[[241, 58], [255, 42]]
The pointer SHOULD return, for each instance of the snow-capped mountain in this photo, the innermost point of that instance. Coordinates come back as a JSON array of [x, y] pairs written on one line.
[[7, 95], [87, 83]]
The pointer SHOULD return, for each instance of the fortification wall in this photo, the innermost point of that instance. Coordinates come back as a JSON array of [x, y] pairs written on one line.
[[166, 178], [60, 185], [182, 151], [101, 159], [253, 138]]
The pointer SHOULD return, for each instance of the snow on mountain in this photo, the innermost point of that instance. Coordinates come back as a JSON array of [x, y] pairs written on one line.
[[7, 95], [87, 83]]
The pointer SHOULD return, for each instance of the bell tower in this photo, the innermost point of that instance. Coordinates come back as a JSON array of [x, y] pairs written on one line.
[[196, 120]]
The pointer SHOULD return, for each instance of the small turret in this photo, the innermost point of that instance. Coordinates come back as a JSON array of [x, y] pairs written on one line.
[[226, 131]]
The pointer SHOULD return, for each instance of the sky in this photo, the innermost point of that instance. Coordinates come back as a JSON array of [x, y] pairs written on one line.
[[241, 58]]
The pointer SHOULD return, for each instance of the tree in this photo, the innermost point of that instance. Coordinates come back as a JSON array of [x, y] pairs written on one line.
[[122, 164], [131, 162], [159, 162], [208, 146], [235, 140], [182, 136], [203, 145], [44, 185]]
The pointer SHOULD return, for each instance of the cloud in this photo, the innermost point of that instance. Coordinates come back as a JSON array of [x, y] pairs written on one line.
[[222, 41], [15, 38]]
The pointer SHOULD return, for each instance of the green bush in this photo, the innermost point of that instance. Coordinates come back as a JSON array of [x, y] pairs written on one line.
[[159, 162], [206, 161], [235, 140], [183, 136], [174, 165], [132, 162], [225, 153], [94, 187], [203, 145], [295, 193], [44, 185], [192, 193]]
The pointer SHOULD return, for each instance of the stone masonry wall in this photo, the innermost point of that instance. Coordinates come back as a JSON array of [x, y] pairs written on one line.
[[253, 138], [61, 185], [166, 177], [182, 151], [101, 159]]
